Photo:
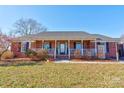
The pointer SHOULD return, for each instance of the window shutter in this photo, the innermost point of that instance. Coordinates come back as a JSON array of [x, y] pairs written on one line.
[[19, 50], [107, 47], [50, 45], [27, 46]]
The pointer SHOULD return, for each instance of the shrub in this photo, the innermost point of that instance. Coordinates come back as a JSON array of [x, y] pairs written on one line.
[[30, 53], [8, 55], [19, 55], [42, 54]]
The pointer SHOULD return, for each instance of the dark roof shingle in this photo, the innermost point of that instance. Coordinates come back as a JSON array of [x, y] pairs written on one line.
[[65, 35]]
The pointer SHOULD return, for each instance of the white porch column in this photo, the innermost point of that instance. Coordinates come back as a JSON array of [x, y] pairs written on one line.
[[117, 55], [33, 47], [55, 51], [105, 49], [82, 47], [95, 48], [22, 46], [23, 43], [42, 44], [69, 49], [29, 45]]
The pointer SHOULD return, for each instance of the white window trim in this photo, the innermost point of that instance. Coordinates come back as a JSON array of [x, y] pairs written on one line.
[[29, 45]]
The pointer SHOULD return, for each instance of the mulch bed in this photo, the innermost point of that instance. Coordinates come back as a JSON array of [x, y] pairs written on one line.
[[16, 59], [19, 62]]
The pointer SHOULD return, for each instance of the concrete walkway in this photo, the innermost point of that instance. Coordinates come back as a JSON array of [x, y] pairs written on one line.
[[63, 61], [89, 62]]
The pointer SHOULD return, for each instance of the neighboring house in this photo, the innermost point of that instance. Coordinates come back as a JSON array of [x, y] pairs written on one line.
[[69, 45]]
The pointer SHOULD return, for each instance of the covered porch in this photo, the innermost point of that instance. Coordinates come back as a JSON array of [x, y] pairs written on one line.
[[69, 49]]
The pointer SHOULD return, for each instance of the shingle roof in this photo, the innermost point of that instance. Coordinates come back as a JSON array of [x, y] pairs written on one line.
[[65, 35], [106, 38]]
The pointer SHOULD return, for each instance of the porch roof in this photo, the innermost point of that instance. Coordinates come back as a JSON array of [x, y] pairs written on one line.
[[65, 35]]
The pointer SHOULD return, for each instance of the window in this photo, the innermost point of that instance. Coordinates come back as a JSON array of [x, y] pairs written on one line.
[[78, 45], [107, 47], [24, 46], [47, 45], [100, 43]]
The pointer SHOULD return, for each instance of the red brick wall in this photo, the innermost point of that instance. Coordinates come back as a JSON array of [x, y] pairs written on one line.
[[112, 50], [53, 44], [16, 49], [33, 44], [39, 44], [72, 43], [16, 46], [92, 44], [88, 44]]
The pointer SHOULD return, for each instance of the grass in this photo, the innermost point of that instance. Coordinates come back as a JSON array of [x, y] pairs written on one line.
[[62, 75]]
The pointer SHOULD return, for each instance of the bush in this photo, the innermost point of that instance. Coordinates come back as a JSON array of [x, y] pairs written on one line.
[[30, 53], [8, 55], [42, 54], [19, 55], [37, 55]]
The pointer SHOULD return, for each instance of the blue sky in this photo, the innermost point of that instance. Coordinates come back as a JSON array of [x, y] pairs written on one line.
[[106, 20]]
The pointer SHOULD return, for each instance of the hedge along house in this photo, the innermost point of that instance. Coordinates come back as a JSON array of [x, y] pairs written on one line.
[[68, 45]]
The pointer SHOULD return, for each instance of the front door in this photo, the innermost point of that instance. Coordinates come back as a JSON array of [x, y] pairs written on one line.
[[101, 51], [62, 48]]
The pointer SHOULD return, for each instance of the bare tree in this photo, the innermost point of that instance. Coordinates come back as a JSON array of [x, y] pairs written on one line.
[[5, 43], [23, 27]]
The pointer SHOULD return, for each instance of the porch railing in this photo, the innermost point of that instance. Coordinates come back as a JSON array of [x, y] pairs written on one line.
[[82, 52], [75, 52], [89, 52], [50, 51]]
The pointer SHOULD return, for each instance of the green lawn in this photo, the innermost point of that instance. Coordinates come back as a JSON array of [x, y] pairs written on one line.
[[62, 75]]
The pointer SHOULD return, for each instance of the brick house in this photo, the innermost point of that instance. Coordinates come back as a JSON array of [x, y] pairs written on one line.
[[68, 45]]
